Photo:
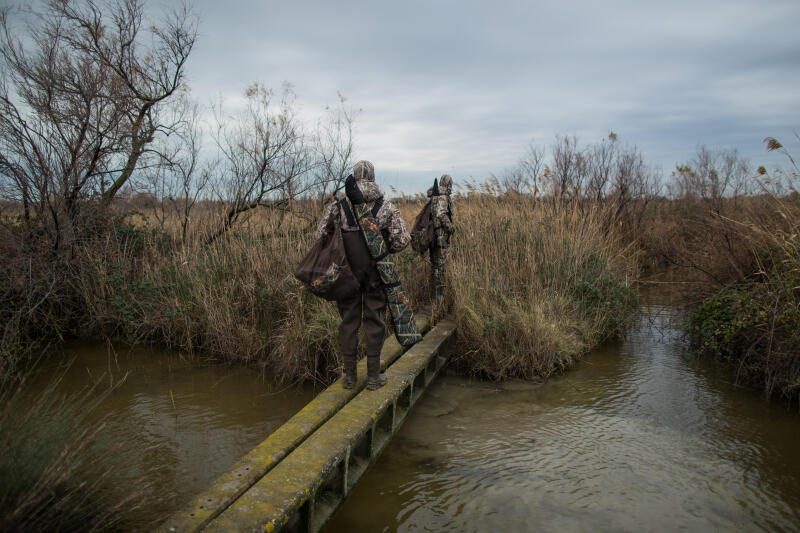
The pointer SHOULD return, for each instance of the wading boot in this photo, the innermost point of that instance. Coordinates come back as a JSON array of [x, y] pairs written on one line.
[[350, 371], [375, 378]]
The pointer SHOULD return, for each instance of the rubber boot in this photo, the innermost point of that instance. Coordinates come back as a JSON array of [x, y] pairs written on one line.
[[375, 378], [350, 371]]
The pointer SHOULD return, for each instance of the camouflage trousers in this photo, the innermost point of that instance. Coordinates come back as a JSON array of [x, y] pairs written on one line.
[[371, 304], [438, 271]]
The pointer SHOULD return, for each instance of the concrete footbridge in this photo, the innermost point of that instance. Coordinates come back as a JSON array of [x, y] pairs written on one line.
[[298, 477]]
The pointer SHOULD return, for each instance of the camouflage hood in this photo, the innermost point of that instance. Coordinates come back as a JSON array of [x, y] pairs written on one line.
[[445, 184], [364, 173]]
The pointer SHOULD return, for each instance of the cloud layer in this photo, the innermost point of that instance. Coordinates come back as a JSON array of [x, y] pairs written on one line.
[[463, 87]]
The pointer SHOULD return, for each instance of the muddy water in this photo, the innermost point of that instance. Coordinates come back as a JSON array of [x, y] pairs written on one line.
[[178, 423], [641, 436]]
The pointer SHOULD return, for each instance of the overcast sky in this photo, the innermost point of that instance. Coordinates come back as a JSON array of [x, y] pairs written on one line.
[[462, 87]]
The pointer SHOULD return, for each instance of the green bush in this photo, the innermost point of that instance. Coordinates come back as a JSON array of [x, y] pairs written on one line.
[[755, 326]]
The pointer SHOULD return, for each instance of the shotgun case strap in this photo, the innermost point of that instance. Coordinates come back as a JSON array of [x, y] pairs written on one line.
[[405, 327]]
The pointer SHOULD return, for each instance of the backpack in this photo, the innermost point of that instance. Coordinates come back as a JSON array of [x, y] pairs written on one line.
[[422, 231], [326, 271]]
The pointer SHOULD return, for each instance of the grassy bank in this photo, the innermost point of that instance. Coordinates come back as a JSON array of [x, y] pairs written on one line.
[[741, 250], [533, 286], [752, 321], [755, 327]]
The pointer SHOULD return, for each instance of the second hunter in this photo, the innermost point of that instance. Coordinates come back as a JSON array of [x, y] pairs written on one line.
[[442, 219]]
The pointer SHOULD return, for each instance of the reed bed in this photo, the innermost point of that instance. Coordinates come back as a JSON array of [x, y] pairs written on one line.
[[741, 251], [532, 285]]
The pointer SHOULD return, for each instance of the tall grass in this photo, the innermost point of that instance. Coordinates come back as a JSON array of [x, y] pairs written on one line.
[[234, 298], [57, 469], [534, 286], [743, 251]]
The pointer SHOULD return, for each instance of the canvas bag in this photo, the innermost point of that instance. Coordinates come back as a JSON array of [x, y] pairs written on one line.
[[325, 270], [405, 327], [422, 231]]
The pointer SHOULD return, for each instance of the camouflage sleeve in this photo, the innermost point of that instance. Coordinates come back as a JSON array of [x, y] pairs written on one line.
[[328, 218], [398, 236]]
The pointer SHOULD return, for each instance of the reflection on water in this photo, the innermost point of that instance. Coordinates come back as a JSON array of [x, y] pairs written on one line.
[[181, 424], [641, 436]]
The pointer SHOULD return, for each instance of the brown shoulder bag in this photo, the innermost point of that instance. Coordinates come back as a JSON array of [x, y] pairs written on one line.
[[325, 270], [422, 231]]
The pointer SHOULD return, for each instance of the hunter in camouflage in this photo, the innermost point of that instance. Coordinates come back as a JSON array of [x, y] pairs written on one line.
[[388, 218], [371, 301], [405, 327], [442, 217]]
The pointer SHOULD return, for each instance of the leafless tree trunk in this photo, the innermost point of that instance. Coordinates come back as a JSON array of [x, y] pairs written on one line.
[[532, 168], [268, 159], [601, 164], [264, 154], [180, 177], [569, 167]]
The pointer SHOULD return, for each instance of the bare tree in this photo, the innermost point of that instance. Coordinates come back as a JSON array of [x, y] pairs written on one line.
[[179, 177], [512, 180], [264, 155], [525, 174], [711, 176], [532, 168], [602, 158], [82, 100], [569, 167], [333, 149], [633, 185]]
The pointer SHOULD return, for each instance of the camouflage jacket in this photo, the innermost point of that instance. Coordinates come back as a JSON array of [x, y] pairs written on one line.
[[442, 206], [442, 212], [389, 220]]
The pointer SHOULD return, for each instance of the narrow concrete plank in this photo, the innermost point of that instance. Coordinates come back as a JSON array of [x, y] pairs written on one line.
[[256, 463], [311, 474]]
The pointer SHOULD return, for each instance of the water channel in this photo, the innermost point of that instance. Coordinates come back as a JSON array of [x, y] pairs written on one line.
[[641, 435], [177, 423]]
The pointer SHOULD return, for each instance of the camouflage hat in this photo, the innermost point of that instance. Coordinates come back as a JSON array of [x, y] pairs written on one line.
[[364, 171], [445, 184]]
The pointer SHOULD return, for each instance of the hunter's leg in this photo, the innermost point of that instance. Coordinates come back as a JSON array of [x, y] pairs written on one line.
[[375, 331], [350, 311]]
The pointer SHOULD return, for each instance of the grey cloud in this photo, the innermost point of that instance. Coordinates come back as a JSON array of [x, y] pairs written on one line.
[[465, 85]]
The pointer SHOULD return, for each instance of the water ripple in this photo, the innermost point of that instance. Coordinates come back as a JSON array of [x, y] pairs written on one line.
[[643, 436]]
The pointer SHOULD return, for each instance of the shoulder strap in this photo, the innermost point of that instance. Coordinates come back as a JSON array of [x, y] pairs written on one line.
[[377, 207], [348, 213]]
